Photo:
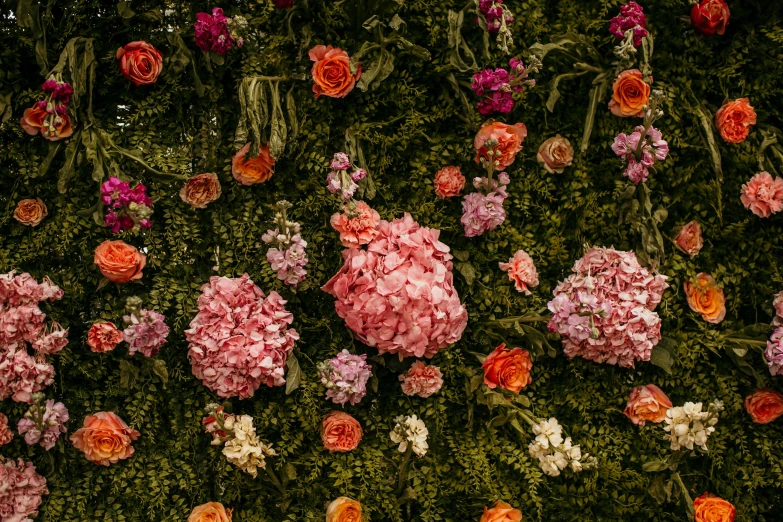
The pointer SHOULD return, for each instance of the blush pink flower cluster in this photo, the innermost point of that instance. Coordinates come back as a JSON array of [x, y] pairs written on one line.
[[641, 153], [399, 295], [240, 338], [146, 332], [43, 423], [5, 432], [774, 351], [21, 489], [345, 377], [483, 210], [605, 310], [422, 380], [763, 194], [287, 255]]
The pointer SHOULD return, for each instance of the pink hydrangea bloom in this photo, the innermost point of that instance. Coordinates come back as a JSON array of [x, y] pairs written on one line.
[[357, 226], [631, 17], [777, 303], [399, 295], [44, 423], [483, 210], [605, 310], [522, 271], [345, 377], [774, 352], [52, 341], [240, 338], [21, 375], [5, 432], [21, 489], [145, 333], [763, 195], [422, 380]]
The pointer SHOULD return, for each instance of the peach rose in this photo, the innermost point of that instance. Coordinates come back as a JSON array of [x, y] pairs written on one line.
[[448, 182], [103, 337], [140, 62], [709, 508], [706, 298], [522, 271], [104, 438], [501, 512], [630, 94], [210, 512], [509, 140], [255, 170], [647, 403], [555, 154], [119, 262], [764, 406], [30, 212], [734, 120], [33, 122], [509, 369], [340, 432], [357, 226], [332, 72], [200, 190], [344, 509], [689, 239]]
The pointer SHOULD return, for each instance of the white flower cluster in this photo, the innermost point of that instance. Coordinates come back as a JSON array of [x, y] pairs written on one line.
[[241, 445], [688, 425], [410, 430], [554, 453]]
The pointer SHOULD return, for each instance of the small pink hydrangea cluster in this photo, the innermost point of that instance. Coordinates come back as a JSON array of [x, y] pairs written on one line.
[[774, 352], [343, 177], [240, 338], [483, 210], [631, 17], [287, 256], [496, 87], [641, 153], [399, 295], [216, 32], [127, 208], [422, 380], [21, 489], [146, 332], [44, 422], [345, 377], [495, 14], [605, 310]]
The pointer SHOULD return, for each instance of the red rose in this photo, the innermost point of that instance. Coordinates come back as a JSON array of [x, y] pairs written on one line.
[[140, 62], [710, 16]]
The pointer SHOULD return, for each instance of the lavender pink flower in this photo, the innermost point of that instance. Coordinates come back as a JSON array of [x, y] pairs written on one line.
[[287, 257], [631, 17], [345, 377], [146, 332], [774, 352], [21, 491], [44, 423], [641, 154], [483, 210]]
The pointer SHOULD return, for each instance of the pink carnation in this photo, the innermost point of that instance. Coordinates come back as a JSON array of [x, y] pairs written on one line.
[[522, 271], [357, 226], [448, 182], [421, 380], [21, 489], [21, 375], [763, 195], [399, 295], [145, 334]]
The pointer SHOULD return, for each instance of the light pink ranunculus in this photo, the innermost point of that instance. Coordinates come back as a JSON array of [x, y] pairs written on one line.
[[422, 380], [763, 194], [521, 271], [357, 226]]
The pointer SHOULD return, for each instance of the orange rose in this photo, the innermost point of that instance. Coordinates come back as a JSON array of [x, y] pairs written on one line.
[[200, 190], [509, 140], [103, 337], [140, 62], [119, 262], [630, 94], [734, 120], [764, 406], [501, 512], [689, 239], [210, 512], [30, 212], [647, 403], [555, 154], [340, 432], [709, 508], [34, 121], [706, 298], [509, 369], [448, 182], [255, 170], [332, 72], [104, 438], [344, 509]]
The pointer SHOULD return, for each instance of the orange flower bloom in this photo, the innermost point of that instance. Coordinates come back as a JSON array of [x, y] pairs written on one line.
[[104, 438], [706, 298], [33, 122], [344, 509], [647, 403], [509, 140], [210, 512], [501, 512], [340, 432], [332, 72], [357, 226], [30, 212], [709, 508], [140, 62], [734, 120], [689, 239], [764, 406], [200, 190], [509, 369], [255, 170], [103, 337], [630, 94], [119, 262], [448, 182]]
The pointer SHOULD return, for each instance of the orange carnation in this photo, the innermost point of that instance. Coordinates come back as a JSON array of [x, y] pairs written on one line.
[[448, 182], [344, 509], [332, 72], [340, 432], [104, 438], [501, 512], [706, 298], [210, 512], [734, 120], [709, 508], [254, 170], [119, 262], [30, 212], [509, 369], [103, 337], [509, 140], [764, 406], [630, 94], [33, 122]]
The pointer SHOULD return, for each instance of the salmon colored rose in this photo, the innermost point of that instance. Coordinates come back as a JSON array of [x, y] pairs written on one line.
[[357, 226], [734, 119], [103, 337], [332, 72], [630, 93], [764, 406], [200, 190], [501, 512], [210, 512], [30, 212], [340, 432], [710, 16], [555, 154], [689, 239], [509, 369], [647, 403], [119, 262], [344, 509], [254, 170], [104, 438], [140, 62], [449, 182], [706, 298], [709, 508], [509, 140], [33, 122]]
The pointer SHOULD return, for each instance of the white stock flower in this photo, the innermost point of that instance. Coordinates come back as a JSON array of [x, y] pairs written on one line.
[[244, 449], [411, 430], [688, 425], [555, 454], [548, 432]]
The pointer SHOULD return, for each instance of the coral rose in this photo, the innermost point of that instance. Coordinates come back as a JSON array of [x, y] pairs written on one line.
[[763, 195], [210, 512], [104, 438], [501, 512], [30, 212], [340, 432], [630, 94], [332, 72], [140, 62], [734, 119], [103, 337], [357, 226], [555, 154], [254, 170], [33, 122], [522, 271], [647, 403], [344, 509], [448, 182], [200, 190], [509, 369], [509, 140], [709, 508], [689, 239], [710, 16], [706, 298], [764, 406], [119, 262]]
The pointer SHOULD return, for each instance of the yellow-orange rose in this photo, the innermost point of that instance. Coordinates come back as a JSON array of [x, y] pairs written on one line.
[[210, 512], [104, 438], [200, 190], [706, 298], [30, 212], [255, 170], [344, 509], [119, 262], [630, 94], [501, 512], [709, 508]]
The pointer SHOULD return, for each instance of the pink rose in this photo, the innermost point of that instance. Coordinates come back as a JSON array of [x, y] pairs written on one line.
[[647, 403], [422, 380], [763, 195], [689, 239], [555, 154], [522, 271], [140, 62], [357, 226], [448, 182]]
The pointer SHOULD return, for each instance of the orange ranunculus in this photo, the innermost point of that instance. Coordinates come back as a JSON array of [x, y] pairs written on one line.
[[104, 438], [210, 512], [509, 369], [509, 140], [630, 94], [200, 190], [764, 406], [706, 298], [344, 509], [734, 120], [709, 508], [647, 403], [254, 170], [340, 432], [332, 72], [33, 122], [140, 62], [689, 239], [448, 182], [30, 212], [119, 262], [103, 337], [501, 512]]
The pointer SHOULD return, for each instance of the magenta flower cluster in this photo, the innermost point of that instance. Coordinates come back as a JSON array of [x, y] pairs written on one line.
[[640, 153], [287, 257], [495, 87], [483, 210], [399, 295], [43, 423], [127, 208], [212, 32], [58, 96], [146, 332], [605, 310], [494, 14], [345, 377], [239, 338], [343, 177], [631, 17], [21, 489]]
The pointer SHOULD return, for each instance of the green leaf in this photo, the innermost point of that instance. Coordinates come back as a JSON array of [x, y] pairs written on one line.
[[54, 147], [600, 85], [655, 466], [128, 374], [662, 358], [294, 376], [279, 131], [124, 10], [554, 94], [467, 271], [68, 170], [159, 369], [288, 473]]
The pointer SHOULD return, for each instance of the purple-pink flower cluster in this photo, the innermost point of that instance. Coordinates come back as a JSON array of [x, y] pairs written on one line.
[[631, 17], [605, 310], [495, 87], [43, 423], [495, 14], [774, 352], [213, 34], [640, 153], [58, 95], [146, 332], [343, 177], [127, 208], [483, 210], [240, 338], [21, 489], [287, 256], [345, 377]]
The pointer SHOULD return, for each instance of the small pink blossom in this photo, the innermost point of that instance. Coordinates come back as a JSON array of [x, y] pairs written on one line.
[[5, 432], [483, 210], [774, 352], [345, 377], [44, 423], [422, 380], [521, 271], [763, 195], [21, 375], [51, 342], [689, 239], [146, 332], [448, 182], [357, 226], [640, 153]]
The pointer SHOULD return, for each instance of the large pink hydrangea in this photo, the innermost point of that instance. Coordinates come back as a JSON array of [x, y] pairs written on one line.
[[21, 489], [399, 295], [21, 375], [240, 338], [605, 310]]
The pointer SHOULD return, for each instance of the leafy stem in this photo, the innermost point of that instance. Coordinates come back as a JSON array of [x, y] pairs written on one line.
[[403, 473]]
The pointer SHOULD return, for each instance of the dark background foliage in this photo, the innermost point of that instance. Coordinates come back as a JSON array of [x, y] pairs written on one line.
[[410, 126]]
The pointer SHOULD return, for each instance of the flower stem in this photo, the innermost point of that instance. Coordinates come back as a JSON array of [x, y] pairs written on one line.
[[275, 480], [403, 475], [686, 496]]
